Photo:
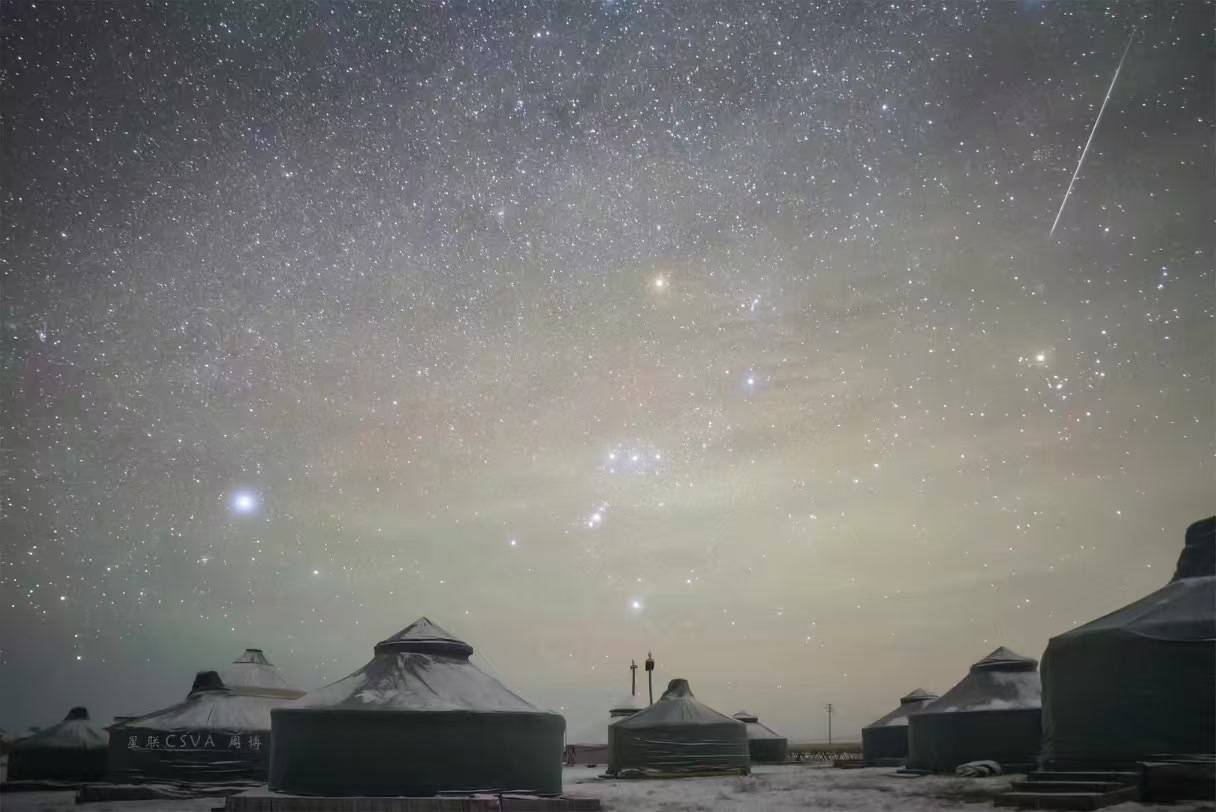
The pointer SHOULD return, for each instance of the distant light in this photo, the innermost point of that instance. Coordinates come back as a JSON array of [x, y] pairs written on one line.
[[659, 283], [512, 542], [316, 572], [243, 502], [636, 605], [1041, 357]]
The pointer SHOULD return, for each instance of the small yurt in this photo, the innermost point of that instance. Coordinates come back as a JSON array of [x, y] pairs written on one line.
[[73, 750], [1137, 684], [418, 719], [219, 733], [627, 707], [763, 743], [885, 741], [992, 714], [676, 735]]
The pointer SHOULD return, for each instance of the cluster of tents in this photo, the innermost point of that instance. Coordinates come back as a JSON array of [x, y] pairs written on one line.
[[679, 735], [219, 733], [421, 718], [1132, 686]]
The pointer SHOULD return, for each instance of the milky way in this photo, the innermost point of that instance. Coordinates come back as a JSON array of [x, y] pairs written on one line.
[[727, 331]]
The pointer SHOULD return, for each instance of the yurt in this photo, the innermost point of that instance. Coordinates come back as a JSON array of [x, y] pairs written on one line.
[[1137, 684], [627, 707], [992, 714], [763, 743], [676, 735], [885, 741], [73, 750], [418, 719], [219, 733]]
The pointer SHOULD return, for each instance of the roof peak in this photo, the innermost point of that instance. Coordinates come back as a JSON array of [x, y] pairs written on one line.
[[253, 655], [745, 716], [677, 689], [207, 681], [917, 695], [424, 636], [1198, 556], [1005, 659]]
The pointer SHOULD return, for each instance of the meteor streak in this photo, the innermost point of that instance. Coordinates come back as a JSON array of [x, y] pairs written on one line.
[[1092, 130]]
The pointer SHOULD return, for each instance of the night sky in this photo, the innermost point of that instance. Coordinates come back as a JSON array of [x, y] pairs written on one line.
[[728, 331]]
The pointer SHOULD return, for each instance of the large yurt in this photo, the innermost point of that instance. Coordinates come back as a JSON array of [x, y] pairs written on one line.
[[677, 735], [1138, 684], [885, 741], [418, 719], [991, 714], [763, 743], [219, 733], [73, 750]]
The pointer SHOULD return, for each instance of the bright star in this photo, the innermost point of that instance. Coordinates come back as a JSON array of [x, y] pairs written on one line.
[[243, 502], [636, 605]]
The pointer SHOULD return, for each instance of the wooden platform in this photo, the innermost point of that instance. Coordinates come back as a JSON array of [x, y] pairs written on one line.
[[263, 800], [1071, 790]]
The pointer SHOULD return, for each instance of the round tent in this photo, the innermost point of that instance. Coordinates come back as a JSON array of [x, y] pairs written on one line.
[[886, 740], [220, 732], [992, 714], [73, 750], [763, 743], [677, 734], [418, 719], [627, 707], [1137, 684]]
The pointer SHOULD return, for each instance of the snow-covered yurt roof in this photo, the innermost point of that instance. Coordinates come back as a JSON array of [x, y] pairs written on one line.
[[75, 732], [421, 668], [628, 705], [253, 670], [1180, 611], [908, 703], [677, 707], [755, 728], [214, 703], [1004, 680]]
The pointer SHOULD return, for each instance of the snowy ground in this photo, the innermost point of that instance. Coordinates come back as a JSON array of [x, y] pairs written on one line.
[[802, 787], [768, 789]]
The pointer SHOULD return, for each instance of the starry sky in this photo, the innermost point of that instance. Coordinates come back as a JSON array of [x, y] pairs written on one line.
[[731, 331]]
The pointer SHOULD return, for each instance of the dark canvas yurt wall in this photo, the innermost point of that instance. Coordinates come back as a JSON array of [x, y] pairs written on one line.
[[73, 750], [418, 719], [219, 733], [1138, 684], [992, 714], [886, 740], [763, 743], [677, 734]]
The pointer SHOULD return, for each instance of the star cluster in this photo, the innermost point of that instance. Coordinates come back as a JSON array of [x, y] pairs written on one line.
[[730, 331]]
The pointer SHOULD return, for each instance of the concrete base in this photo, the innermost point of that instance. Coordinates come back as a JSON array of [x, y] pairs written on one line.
[[263, 800]]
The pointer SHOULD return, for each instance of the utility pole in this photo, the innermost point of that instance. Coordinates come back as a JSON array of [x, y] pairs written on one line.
[[829, 724], [633, 677], [650, 675]]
